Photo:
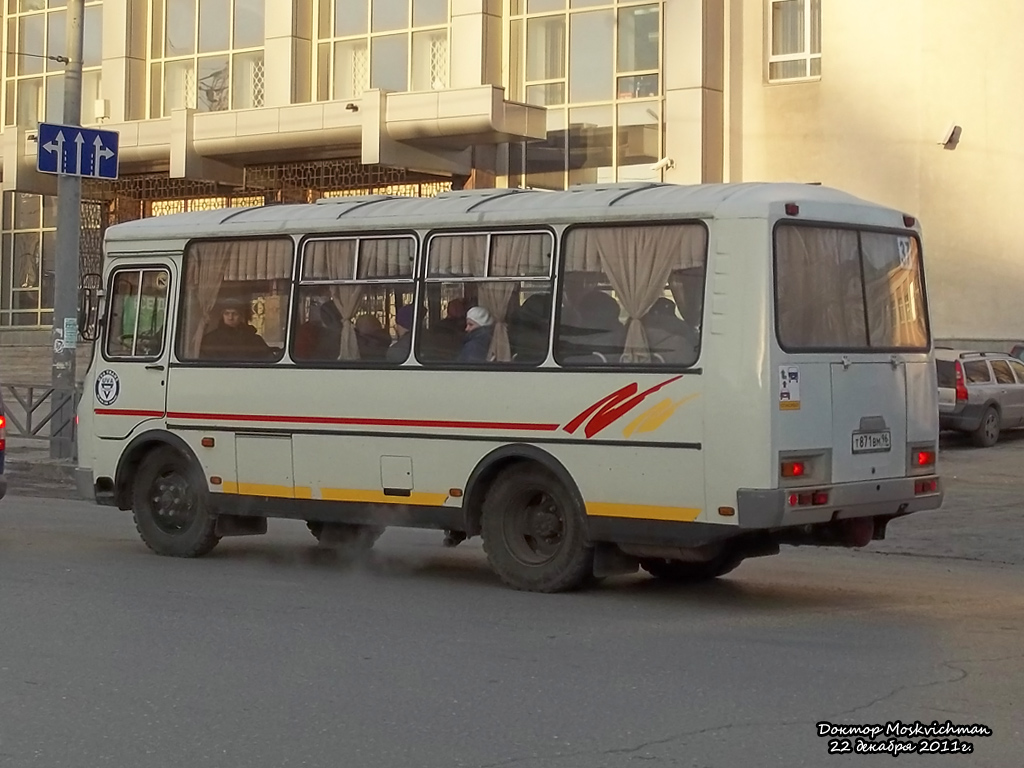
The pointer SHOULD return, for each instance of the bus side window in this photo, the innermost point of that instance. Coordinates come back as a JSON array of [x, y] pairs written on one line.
[[632, 295], [235, 300], [351, 291], [138, 314], [488, 299]]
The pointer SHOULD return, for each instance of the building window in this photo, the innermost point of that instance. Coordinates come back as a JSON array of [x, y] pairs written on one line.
[[596, 66], [206, 55], [395, 45], [34, 85], [27, 258], [795, 35]]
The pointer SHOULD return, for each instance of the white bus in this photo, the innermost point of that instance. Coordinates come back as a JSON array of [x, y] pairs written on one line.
[[611, 377]]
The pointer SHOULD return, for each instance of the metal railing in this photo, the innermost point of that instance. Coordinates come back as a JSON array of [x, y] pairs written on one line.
[[39, 412]]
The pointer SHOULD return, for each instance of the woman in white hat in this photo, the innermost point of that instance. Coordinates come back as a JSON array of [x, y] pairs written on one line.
[[477, 342]]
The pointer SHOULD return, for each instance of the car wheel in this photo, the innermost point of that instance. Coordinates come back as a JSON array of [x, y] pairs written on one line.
[[987, 433], [170, 506], [534, 532]]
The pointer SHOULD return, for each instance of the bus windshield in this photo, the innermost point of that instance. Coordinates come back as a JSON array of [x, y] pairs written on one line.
[[848, 290]]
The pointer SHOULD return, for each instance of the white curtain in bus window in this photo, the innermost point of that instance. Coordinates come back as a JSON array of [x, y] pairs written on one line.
[[892, 285], [819, 290], [633, 294], [507, 274], [250, 276], [349, 294]]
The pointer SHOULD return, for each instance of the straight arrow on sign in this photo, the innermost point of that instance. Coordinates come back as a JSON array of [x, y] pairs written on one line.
[[80, 141]]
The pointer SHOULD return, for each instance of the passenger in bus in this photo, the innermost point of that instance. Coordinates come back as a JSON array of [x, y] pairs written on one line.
[[373, 340], [477, 342], [234, 338], [319, 338], [444, 340], [528, 329], [596, 332], [672, 340], [399, 351]]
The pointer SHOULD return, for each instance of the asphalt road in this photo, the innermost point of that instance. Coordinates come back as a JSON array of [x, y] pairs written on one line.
[[270, 652]]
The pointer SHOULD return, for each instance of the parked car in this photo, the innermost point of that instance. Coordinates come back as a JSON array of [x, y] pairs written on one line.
[[3, 446], [981, 393]]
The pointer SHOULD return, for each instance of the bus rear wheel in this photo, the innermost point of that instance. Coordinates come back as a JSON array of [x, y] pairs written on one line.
[[170, 506], [681, 572], [345, 536], [534, 532]]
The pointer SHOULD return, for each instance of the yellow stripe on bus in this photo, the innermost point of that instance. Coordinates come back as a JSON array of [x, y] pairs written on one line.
[[377, 497], [263, 489], [642, 512]]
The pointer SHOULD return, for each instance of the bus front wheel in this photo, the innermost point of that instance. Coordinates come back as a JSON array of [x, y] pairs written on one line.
[[534, 532], [170, 507]]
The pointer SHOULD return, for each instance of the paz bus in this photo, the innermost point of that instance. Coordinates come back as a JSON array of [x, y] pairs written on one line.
[[595, 381]]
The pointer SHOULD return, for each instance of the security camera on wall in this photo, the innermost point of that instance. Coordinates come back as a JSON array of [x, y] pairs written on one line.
[[666, 163]]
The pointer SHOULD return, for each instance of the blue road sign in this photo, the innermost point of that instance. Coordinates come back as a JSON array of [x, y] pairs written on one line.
[[73, 151]]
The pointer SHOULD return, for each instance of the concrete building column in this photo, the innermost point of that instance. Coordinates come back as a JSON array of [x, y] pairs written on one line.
[[288, 52], [475, 47], [694, 85], [125, 40]]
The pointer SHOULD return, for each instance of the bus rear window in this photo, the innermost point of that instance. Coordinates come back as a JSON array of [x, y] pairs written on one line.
[[846, 289]]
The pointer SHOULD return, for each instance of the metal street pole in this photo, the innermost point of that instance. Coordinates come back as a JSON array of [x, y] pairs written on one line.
[[69, 222]]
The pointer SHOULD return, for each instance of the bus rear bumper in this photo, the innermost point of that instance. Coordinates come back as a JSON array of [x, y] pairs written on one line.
[[759, 509]]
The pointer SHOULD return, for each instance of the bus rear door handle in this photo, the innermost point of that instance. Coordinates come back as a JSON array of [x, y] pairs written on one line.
[[154, 367]]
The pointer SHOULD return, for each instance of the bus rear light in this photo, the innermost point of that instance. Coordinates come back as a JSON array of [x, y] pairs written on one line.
[[926, 486], [3, 433], [794, 469], [792, 209], [909, 221], [809, 499], [961, 386], [924, 458]]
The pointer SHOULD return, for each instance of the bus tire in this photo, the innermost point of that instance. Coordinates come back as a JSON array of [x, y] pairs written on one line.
[[171, 508], [345, 536], [682, 572], [987, 433], [534, 532]]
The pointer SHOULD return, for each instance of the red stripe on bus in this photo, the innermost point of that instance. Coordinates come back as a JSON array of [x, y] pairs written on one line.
[[365, 422], [127, 412]]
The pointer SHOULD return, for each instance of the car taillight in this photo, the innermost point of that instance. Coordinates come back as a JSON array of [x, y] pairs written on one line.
[[961, 387]]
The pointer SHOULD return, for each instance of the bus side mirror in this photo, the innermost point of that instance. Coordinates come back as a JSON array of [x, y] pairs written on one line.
[[89, 296]]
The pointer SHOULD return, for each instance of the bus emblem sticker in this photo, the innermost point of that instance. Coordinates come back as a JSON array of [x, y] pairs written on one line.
[[789, 388], [108, 387]]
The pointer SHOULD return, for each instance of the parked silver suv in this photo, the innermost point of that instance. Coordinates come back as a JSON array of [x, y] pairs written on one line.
[[980, 392]]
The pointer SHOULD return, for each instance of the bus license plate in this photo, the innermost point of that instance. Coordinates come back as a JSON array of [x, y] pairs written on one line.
[[872, 442]]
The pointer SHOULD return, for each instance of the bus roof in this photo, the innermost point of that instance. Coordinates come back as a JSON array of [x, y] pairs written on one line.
[[591, 202]]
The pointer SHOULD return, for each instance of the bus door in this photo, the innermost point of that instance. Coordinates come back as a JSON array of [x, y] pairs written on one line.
[[130, 385]]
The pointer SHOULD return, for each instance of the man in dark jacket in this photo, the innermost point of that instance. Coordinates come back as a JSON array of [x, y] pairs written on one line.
[[234, 338]]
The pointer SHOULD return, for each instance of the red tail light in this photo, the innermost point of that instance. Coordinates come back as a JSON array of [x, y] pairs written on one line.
[[924, 458], [926, 486], [3, 432], [793, 469], [961, 386]]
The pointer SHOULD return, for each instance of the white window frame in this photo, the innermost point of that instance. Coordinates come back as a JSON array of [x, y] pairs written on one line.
[[806, 56]]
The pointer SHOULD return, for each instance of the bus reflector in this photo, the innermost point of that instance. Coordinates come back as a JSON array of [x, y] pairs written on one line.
[[726, 511], [207, 442], [792, 209], [793, 469], [924, 458], [215, 480], [820, 498], [908, 221], [455, 492], [926, 486]]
